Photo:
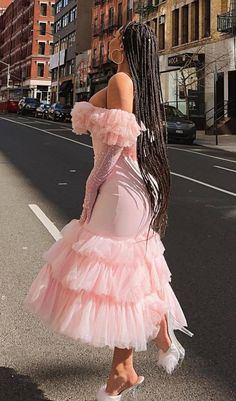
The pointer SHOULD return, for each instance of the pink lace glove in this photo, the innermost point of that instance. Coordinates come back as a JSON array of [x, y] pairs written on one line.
[[102, 168]]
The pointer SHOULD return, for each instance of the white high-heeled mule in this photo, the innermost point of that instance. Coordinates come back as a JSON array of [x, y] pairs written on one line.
[[174, 356], [102, 395]]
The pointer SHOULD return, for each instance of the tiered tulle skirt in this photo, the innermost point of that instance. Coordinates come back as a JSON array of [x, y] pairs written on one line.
[[104, 291]]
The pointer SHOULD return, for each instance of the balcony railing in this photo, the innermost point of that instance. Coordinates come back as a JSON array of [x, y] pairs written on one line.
[[226, 23]]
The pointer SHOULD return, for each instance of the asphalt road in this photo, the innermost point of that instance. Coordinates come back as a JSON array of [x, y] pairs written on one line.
[[43, 170]]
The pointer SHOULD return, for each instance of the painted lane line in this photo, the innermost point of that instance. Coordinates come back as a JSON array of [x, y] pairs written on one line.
[[205, 184], [224, 168], [50, 226], [48, 132], [202, 154], [60, 129]]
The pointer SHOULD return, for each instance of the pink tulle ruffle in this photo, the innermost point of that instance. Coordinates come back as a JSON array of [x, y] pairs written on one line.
[[104, 291], [113, 126]]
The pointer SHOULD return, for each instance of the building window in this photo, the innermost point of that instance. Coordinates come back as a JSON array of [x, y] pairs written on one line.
[[101, 53], [51, 48], [53, 10], [43, 9], [224, 6], [66, 2], [195, 20], [41, 48], [102, 21], [65, 20], [40, 70], [64, 42], [119, 14], [206, 12], [73, 14], [111, 16], [70, 67], [184, 38], [175, 27], [42, 28], [71, 39], [58, 25], [162, 32], [130, 4], [59, 6]]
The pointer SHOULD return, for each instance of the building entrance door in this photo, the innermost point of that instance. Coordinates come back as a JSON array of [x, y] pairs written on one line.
[[220, 95], [232, 94]]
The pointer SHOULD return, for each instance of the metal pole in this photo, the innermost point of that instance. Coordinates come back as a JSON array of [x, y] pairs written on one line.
[[215, 105], [58, 68]]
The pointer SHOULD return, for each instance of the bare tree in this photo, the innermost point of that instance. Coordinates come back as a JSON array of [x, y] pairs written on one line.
[[195, 69]]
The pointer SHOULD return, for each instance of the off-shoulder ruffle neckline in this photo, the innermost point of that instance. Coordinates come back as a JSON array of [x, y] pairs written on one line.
[[105, 108]]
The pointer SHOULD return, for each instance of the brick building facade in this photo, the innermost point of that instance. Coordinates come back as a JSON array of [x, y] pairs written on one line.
[[107, 17], [3, 5], [63, 57], [25, 45]]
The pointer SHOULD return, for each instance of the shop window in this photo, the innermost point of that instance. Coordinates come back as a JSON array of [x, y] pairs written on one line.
[[184, 38], [162, 32], [206, 12], [40, 70], [43, 9], [175, 27], [41, 48]]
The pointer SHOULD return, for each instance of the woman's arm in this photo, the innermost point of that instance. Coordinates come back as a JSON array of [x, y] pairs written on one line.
[[110, 153]]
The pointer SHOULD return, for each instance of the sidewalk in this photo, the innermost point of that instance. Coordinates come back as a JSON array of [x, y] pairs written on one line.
[[225, 142]]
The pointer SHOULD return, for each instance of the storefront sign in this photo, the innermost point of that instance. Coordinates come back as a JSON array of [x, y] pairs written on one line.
[[190, 59]]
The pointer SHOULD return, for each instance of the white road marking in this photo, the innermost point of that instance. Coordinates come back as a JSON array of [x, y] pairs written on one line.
[[202, 154], [224, 168], [89, 146], [50, 226], [205, 184], [60, 129], [47, 132]]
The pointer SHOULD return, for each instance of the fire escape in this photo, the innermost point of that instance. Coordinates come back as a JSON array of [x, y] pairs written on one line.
[[226, 23]]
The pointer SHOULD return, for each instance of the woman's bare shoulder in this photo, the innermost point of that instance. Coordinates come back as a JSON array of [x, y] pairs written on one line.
[[99, 99]]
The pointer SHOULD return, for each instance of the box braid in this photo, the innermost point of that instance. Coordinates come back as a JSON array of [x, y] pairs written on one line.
[[141, 50]]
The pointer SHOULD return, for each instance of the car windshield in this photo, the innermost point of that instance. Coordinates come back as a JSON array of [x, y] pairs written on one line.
[[32, 100], [173, 112], [59, 106]]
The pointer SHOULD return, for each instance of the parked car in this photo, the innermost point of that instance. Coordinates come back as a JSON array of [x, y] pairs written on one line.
[[59, 112], [10, 106], [42, 110], [179, 127], [28, 105]]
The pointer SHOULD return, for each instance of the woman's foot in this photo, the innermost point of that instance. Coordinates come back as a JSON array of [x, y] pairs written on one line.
[[119, 381], [162, 340]]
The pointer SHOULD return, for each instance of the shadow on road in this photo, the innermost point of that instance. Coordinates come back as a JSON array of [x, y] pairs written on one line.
[[17, 387]]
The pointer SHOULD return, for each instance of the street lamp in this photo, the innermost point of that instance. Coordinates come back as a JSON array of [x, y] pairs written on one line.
[[58, 62]]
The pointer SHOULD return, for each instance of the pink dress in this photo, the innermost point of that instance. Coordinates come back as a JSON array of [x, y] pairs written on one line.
[[100, 283]]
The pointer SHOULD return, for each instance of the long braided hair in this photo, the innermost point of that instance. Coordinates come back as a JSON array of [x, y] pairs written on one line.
[[141, 50]]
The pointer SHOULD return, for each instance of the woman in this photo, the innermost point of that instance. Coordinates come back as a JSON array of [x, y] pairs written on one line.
[[106, 281]]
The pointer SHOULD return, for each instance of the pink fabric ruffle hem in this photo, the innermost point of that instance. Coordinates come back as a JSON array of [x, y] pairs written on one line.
[[104, 291]]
